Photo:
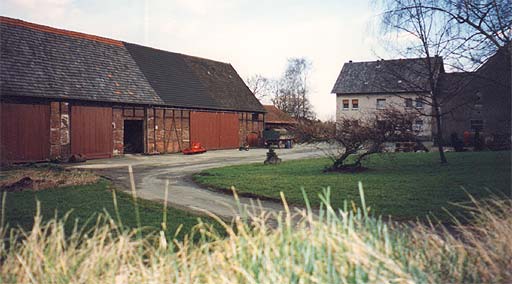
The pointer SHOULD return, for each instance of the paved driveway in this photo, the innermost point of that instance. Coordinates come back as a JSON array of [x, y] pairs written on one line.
[[151, 172]]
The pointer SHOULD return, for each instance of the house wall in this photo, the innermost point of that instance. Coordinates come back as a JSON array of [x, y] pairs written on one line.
[[368, 106], [492, 85]]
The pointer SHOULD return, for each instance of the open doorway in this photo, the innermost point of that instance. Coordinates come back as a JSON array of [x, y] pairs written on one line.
[[133, 136]]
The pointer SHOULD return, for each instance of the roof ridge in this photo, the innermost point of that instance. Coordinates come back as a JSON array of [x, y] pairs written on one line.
[[178, 53], [43, 28], [394, 59]]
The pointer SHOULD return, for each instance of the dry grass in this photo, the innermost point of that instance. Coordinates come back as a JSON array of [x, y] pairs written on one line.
[[330, 247], [45, 177]]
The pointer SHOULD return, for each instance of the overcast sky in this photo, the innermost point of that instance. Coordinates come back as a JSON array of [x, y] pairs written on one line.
[[255, 36]]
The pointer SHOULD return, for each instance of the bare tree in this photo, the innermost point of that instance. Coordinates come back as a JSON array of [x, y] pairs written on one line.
[[477, 28], [459, 31], [290, 92], [365, 136], [260, 86]]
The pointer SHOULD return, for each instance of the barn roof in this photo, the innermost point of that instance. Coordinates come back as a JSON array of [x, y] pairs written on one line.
[[386, 76], [40, 61], [275, 115], [189, 81]]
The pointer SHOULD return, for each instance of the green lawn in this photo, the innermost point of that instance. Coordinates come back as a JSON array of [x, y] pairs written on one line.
[[87, 201], [403, 185]]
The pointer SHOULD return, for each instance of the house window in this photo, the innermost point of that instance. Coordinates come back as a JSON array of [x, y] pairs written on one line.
[[418, 125], [408, 102], [477, 124], [345, 104], [381, 103], [419, 103], [355, 104], [255, 116]]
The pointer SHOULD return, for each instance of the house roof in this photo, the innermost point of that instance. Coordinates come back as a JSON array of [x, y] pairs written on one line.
[[387, 76], [40, 61], [458, 87], [275, 115], [189, 81]]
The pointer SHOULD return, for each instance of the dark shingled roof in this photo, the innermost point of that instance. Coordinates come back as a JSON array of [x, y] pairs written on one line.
[[224, 84], [386, 76], [40, 61], [187, 81], [275, 115]]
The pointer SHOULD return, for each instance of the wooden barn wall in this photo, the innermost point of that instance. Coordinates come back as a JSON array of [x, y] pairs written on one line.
[[215, 130], [250, 124], [91, 131], [119, 115], [24, 132], [168, 130]]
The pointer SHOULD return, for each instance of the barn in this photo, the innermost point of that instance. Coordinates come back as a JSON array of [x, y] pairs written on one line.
[[65, 93]]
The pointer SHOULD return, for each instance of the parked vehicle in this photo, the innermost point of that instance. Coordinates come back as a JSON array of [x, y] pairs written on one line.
[[278, 137]]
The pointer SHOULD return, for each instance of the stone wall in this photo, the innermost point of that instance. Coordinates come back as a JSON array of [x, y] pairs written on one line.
[[60, 147]]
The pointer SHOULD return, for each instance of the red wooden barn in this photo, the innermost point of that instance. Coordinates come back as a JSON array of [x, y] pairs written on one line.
[[65, 93]]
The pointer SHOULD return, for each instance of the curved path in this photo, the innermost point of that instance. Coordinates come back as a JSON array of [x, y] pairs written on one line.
[[151, 172]]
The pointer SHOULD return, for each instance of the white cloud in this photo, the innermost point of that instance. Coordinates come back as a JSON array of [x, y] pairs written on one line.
[[41, 9]]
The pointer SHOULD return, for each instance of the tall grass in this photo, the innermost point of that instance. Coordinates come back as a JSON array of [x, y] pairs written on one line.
[[329, 246]]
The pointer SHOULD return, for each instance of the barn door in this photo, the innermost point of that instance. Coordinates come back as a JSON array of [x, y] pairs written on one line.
[[24, 132], [229, 128], [91, 131], [253, 139], [214, 130]]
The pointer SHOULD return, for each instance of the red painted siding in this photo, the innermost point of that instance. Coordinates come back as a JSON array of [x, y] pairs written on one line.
[[91, 131], [25, 132], [214, 130]]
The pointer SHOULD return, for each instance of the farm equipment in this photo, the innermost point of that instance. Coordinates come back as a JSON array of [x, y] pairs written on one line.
[[196, 148], [278, 137]]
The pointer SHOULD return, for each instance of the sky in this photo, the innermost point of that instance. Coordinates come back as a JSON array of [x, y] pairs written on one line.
[[256, 37]]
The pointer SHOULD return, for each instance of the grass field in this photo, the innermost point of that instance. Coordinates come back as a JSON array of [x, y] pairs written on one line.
[[403, 185], [86, 201]]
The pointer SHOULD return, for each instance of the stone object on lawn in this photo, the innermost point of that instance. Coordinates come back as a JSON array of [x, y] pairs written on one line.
[[272, 158]]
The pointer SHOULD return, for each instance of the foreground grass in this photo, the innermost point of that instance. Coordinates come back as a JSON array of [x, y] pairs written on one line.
[[85, 203], [332, 247], [403, 185]]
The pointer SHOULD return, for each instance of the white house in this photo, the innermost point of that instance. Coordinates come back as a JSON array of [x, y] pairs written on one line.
[[363, 88]]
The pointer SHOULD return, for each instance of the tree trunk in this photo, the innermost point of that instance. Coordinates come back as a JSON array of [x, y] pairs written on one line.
[[439, 134]]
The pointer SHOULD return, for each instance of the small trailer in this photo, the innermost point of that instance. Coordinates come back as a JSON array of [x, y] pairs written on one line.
[[278, 137]]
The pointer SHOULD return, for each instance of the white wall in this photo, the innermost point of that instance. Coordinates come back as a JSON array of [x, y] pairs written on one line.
[[368, 106]]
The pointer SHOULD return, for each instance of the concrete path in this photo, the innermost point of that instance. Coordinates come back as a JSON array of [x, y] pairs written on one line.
[[151, 172]]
